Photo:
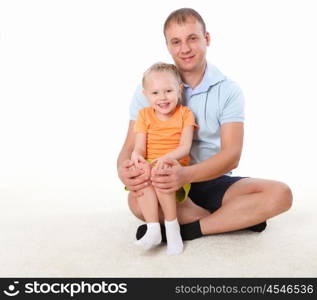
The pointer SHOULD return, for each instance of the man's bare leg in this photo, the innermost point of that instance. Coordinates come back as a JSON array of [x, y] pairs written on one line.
[[247, 202]]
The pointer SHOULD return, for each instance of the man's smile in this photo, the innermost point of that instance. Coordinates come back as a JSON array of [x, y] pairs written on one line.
[[188, 58]]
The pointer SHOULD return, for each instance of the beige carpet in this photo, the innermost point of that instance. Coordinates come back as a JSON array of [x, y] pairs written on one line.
[[41, 239]]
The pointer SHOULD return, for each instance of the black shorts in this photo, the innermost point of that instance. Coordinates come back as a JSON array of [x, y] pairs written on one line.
[[209, 194]]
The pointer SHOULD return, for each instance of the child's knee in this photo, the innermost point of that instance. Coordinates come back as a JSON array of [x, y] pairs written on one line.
[[146, 167], [134, 206]]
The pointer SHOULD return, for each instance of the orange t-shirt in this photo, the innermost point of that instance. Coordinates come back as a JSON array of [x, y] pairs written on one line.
[[163, 136]]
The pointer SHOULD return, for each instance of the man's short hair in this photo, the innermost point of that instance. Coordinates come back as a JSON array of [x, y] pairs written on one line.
[[181, 15]]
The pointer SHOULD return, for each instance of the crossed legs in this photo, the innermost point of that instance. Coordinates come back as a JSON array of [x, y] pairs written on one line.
[[247, 202]]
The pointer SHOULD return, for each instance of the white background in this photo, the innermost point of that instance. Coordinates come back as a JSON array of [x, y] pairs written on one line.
[[68, 70]]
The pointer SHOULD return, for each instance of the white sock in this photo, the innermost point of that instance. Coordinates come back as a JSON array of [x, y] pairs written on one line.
[[173, 237], [152, 237]]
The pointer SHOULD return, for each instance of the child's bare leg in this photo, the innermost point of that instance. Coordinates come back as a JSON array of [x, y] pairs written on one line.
[[148, 204], [173, 236], [149, 207]]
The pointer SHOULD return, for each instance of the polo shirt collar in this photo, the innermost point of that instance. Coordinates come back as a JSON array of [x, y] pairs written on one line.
[[211, 77]]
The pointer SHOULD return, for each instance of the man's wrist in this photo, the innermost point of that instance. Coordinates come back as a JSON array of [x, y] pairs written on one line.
[[188, 172]]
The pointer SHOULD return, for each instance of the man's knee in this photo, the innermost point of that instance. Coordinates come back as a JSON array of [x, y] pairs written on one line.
[[283, 197], [286, 196], [134, 206]]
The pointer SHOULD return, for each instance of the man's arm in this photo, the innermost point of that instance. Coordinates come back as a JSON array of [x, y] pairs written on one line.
[[221, 163], [128, 145], [226, 160]]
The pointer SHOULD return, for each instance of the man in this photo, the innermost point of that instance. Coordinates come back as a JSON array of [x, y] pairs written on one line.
[[217, 202]]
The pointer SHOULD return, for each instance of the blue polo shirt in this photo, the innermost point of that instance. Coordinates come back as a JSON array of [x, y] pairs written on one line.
[[215, 101]]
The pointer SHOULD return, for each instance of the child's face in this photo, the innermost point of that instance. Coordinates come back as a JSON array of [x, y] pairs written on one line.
[[162, 91]]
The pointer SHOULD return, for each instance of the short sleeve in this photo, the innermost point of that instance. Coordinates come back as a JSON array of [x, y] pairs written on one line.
[[138, 102], [231, 103], [140, 123], [188, 118]]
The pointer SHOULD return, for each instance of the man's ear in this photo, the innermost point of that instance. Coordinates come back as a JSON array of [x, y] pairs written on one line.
[[207, 37]]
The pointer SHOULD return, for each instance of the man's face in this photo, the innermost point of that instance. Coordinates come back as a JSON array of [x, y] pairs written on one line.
[[187, 44]]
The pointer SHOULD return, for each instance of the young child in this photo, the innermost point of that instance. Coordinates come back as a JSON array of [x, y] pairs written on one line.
[[163, 130]]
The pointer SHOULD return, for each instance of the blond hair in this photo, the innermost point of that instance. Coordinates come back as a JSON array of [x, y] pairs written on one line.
[[162, 67], [181, 15]]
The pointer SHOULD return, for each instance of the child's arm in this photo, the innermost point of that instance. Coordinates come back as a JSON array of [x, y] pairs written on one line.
[[139, 150], [183, 149]]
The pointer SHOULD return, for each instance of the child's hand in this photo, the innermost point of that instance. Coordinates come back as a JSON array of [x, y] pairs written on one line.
[[160, 163], [137, 159]]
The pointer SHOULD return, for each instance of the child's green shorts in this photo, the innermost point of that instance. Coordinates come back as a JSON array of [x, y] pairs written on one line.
[[182, 193]]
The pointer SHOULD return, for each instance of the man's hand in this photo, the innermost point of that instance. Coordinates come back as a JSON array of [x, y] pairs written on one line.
[[169, 179], [135, 179]]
